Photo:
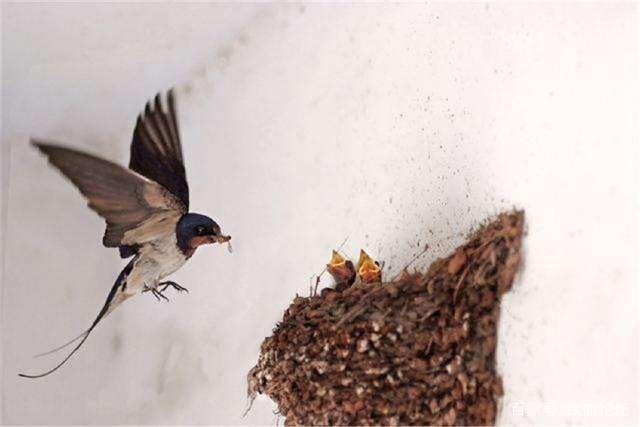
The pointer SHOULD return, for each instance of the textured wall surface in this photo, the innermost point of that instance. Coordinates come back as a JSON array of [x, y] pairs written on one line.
[[394, 126]]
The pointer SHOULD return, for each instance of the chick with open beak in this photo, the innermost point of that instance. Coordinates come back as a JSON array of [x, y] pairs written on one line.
[[368, 270], [342, 270]]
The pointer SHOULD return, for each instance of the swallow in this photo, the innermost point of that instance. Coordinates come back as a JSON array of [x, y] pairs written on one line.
[[145, 207]]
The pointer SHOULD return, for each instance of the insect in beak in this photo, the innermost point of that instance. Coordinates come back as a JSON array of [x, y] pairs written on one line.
[[222, 239]]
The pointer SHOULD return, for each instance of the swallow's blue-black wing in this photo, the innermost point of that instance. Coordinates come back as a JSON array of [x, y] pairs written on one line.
[[137, 210], [156, 151]]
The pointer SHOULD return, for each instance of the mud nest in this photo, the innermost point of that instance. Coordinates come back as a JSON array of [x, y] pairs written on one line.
[[416, 350]]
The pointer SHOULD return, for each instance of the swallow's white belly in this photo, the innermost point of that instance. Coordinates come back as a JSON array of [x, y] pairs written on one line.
[[155, 261]]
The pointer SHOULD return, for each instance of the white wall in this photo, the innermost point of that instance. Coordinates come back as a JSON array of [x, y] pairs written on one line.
[[394, 126]]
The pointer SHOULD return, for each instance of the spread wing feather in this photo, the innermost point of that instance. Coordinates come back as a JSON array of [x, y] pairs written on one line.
[[136, 209], [156, 151]]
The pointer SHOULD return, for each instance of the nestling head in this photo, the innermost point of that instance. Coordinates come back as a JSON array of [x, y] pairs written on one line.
[[194, 230]]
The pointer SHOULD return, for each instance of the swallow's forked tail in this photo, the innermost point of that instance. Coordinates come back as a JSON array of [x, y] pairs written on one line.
[[67, 344], [84, 336], [107, 308]]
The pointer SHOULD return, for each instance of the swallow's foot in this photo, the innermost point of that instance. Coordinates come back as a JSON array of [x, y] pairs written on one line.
[[156, 293], [174, 285]]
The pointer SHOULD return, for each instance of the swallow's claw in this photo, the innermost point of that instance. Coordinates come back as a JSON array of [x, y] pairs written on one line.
[[174, 285], [156, 293], [161, 295]]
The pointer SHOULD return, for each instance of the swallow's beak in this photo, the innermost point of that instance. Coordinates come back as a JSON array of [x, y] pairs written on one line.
[[216, 239], [368, 270], [223, 239], [227, 240]]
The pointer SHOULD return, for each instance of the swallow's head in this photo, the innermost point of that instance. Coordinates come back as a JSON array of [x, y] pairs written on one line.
[[194, 230]]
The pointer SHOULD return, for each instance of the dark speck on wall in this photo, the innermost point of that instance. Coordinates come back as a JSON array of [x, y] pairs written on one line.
[[116, 342]]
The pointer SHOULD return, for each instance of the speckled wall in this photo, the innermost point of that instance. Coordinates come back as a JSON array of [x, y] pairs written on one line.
[[393, 126]]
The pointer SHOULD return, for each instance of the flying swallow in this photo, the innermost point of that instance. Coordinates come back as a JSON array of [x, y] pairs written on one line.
[[145, 208]]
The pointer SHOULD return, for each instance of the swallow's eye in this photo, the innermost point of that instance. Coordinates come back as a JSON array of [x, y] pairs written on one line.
[[200, 230]]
